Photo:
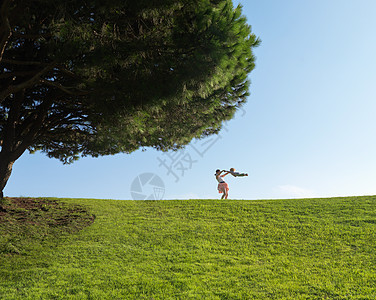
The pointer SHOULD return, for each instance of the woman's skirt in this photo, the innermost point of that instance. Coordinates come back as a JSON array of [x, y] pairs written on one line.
[[223, 187]]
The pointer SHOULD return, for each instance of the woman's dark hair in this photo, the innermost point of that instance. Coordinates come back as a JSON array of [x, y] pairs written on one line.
[[216, 171]]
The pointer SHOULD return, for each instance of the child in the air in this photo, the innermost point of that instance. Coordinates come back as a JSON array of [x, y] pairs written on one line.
[[236, 174]]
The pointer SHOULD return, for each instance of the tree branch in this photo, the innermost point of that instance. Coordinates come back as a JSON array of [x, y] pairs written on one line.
[[65, 89], [5, 30], [28, 83], [20, 62], [28, 139], [68, 72]]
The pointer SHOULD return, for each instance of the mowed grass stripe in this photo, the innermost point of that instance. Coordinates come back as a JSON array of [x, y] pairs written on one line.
[[204, 249]]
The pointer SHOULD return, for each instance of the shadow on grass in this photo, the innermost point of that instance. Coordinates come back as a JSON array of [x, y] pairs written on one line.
[[25, 221]]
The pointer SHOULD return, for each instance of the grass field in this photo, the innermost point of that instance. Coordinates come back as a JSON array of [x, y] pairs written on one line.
[[194, 249]]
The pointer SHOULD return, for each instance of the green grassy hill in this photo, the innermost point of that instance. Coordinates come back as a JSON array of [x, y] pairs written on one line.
[[194, 249]]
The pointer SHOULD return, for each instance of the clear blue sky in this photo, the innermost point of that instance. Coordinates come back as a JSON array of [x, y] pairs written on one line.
[[307, 130]]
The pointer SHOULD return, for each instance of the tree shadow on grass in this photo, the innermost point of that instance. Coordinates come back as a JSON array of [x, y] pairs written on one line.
[[26, 221]]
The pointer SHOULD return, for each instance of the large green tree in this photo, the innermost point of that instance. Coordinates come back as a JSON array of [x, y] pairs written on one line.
[[95, 77]]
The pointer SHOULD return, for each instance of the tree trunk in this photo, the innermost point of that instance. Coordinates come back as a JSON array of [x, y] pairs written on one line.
[[17, 137], [5, 170]]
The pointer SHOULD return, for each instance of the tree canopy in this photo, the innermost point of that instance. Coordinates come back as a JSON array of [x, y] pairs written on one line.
[[97, 77]]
